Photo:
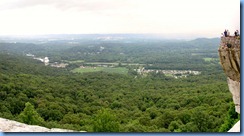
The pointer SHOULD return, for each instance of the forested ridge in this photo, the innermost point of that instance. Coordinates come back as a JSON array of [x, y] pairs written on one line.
[[112, 102]]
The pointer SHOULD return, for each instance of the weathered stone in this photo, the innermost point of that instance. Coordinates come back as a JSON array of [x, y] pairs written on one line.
[[236, 127], [230, 62], [14, 126], [234, 88]]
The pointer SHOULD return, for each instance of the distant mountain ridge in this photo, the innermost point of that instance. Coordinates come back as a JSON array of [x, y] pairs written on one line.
[[106, 37]]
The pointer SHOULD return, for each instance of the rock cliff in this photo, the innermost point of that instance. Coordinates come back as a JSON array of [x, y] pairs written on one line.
[[229, 54]]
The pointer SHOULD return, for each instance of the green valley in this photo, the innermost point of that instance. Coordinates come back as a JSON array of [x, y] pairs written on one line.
[[126, 85]]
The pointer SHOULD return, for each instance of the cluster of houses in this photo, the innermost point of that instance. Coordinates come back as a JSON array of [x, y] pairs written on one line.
[[173, 73]]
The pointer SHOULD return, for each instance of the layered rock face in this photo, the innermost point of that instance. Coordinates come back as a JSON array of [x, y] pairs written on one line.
[[229, 53]]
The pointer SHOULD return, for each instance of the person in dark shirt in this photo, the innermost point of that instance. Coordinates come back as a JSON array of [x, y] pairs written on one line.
[[235, 33], [225, 33]]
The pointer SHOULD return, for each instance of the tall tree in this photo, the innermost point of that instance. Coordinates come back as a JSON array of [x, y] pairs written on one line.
[[30, 115], [105, 121]]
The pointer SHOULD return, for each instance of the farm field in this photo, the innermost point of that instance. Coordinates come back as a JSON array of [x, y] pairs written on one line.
[[76, 61], [119, 70], [113, 63]]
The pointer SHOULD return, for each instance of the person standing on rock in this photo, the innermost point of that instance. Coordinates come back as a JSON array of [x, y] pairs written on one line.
[[228, 33], [225, 33], [237, 33]]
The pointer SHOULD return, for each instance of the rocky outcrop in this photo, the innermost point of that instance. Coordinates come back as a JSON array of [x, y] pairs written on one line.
[[229, 54], [14, 126], [234, 87]]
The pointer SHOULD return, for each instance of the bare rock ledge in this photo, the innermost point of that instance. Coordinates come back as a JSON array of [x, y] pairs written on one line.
[[14, 126]]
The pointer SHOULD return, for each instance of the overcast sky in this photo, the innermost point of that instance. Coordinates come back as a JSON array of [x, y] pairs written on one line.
[[205, 18]]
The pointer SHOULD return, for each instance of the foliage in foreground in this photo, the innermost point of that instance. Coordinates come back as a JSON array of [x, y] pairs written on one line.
[[30, 116], [231, 118], [105, 121]]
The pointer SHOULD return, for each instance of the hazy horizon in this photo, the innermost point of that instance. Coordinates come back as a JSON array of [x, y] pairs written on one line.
[[189, 18], [114, 35]]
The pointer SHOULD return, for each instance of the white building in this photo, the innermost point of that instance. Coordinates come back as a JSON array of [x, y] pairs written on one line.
[[46, 60]]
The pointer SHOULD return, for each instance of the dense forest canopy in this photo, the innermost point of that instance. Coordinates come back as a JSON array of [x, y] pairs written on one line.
[[114, 84]]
